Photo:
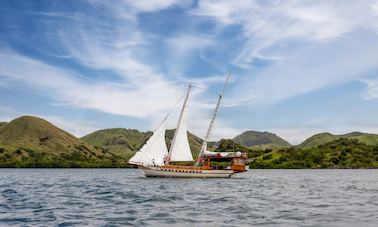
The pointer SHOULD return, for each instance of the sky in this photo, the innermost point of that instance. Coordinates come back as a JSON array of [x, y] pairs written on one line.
[[299, 67]]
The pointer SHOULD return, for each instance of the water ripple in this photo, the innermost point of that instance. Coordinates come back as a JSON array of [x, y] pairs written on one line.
[[118, 197]]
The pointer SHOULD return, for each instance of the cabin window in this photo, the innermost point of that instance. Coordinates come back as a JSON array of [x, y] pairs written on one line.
[[238, 161]]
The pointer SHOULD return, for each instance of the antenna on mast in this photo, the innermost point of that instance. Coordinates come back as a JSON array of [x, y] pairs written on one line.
[[204, 144]]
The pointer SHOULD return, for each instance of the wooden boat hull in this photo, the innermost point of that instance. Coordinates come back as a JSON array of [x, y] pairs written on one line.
[[155, 171]]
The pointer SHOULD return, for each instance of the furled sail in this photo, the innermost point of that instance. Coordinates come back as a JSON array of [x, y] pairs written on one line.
[[180, 149], [155, 149]]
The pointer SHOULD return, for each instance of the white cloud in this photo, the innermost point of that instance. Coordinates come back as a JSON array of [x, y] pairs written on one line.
[[183, 45], [371, 91], [374, 7], [117, 45], [128, 9], [324, 65], [294, 136], [226, 12], [78, 128], [145, 6], [6, 113], [65, 86], [113, 48], [200, 120], [270, 26], [298, 135], [309, 45], [150, 102]]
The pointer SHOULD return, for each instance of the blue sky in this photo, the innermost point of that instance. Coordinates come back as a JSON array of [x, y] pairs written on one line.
[[298, 67]]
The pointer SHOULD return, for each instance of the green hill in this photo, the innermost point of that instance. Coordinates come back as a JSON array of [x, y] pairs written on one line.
[[118, 141], [323, 138], [34, 133], [253, 138], [268, 146], [338, 153], [33, 142], [125, 142], [367, 138], [317, 140], [3, 123]]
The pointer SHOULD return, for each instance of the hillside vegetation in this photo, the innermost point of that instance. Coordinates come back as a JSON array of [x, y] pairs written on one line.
[[125, 142], [322, 138], [339, 153], [118, 141], [33, 142], [254, 138]]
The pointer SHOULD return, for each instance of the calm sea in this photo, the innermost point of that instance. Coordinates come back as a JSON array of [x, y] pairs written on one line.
[[119, 197]]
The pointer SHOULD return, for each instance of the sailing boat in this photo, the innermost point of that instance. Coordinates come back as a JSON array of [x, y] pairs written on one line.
[[155, 160]]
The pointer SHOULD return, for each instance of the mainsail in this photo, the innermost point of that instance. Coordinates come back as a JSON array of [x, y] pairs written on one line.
[[180, 149], [155, 149]]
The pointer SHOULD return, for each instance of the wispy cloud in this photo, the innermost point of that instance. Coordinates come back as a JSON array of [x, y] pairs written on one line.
[[113, 56], [306, 45], [325, 65], [129, 8], [298, 135], [65, 86], [270, 27], [183, 45], [78, 128], [371, 91]]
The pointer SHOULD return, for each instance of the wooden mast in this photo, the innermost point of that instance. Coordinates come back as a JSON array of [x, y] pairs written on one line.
[[204, 144]]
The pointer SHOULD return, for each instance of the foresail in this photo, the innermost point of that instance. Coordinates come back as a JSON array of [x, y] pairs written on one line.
[[155, 149], [180, 149]]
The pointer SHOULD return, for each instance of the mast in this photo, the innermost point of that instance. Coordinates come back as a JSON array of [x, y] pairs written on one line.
[[178, 125], [204, 144]]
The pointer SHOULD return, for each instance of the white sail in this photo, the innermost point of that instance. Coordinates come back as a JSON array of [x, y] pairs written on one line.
[[180, 149], [155, 149]]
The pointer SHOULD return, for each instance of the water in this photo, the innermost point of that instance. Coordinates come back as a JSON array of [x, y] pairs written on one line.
[[118, 197]]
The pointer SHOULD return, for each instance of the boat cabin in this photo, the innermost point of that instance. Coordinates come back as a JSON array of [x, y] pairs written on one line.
[[236, 160]]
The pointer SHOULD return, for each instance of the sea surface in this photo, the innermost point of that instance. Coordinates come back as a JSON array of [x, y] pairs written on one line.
[[123, 197]]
